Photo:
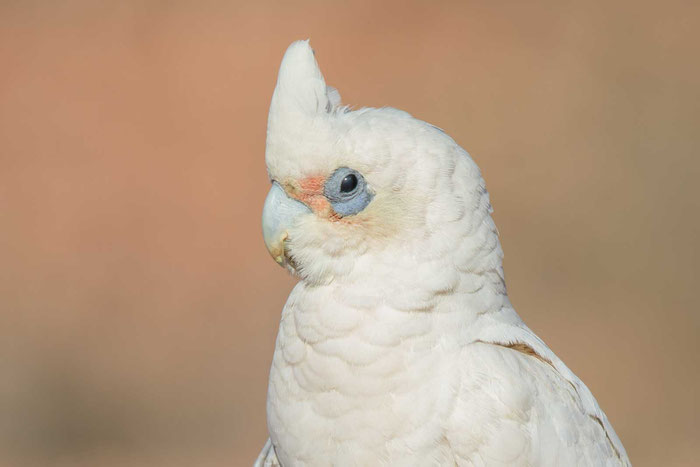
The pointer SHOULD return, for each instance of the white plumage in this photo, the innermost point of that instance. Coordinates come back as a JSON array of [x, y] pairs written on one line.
[[399, 345]]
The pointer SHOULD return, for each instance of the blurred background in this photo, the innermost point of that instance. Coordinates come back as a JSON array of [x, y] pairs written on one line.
[[138, 306]]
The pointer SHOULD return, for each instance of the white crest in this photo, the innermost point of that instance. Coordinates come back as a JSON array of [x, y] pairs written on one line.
[[301, 96], [300, 84]]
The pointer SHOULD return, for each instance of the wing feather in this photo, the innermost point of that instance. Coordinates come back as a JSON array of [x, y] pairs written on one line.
[[526, 411]]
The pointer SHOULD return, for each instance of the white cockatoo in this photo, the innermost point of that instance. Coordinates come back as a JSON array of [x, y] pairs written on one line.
[[399, 345]]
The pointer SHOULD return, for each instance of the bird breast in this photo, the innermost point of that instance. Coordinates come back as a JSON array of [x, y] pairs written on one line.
[[369, 380]]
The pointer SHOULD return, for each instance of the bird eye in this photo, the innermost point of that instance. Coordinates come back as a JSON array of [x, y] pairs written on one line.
[[347, 191], [348, 184]]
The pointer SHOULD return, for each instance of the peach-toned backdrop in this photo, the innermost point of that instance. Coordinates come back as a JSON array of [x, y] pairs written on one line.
[[138, 306]]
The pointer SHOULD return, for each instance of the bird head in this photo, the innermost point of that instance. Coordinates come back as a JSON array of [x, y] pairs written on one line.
[[361, 193]]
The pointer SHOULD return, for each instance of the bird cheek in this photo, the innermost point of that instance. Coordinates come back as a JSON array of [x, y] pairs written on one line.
[[310, 192], [320, 205], [312, 185]]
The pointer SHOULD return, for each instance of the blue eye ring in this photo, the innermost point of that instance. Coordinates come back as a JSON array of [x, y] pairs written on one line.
[[347, 191]]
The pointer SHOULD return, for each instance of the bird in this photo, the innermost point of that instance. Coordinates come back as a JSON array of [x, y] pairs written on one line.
[[399, 346]]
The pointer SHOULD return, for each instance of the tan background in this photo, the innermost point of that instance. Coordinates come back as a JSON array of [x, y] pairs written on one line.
[[138, 306]]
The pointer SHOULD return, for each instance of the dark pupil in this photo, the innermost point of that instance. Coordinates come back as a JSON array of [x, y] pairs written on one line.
[[348, 184]]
